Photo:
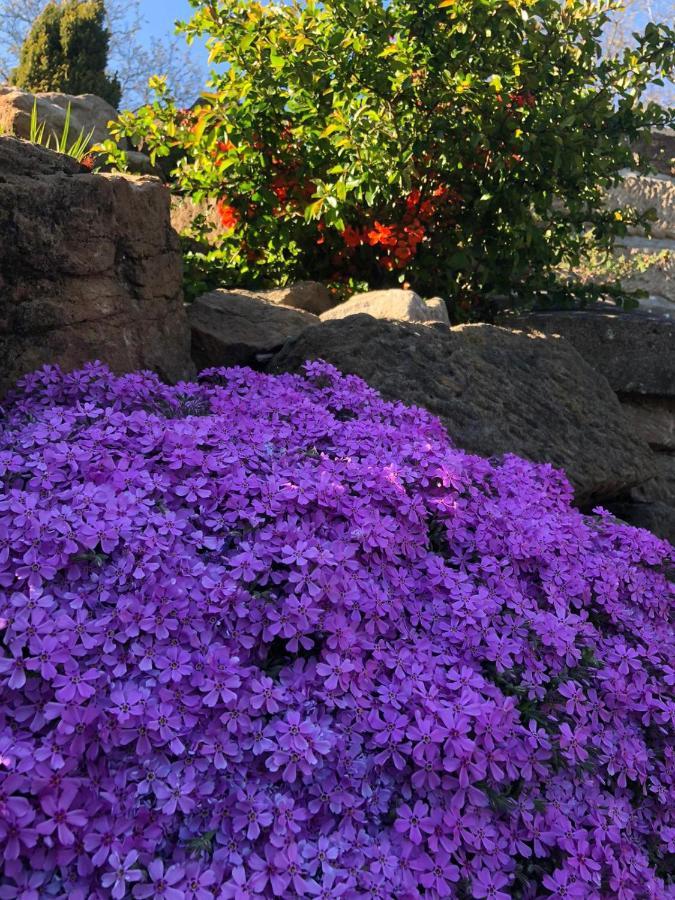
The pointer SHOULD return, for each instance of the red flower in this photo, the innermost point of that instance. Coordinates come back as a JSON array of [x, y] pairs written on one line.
[[381, 234], [413, 198], [352, 237], [228, 215]]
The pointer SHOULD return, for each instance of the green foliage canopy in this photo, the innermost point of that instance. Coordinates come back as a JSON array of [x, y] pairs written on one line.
[[67, 51], [462, 146]]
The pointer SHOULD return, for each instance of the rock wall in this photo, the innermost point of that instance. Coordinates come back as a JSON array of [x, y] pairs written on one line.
[[653, 256], [90, 268], [635, 353]]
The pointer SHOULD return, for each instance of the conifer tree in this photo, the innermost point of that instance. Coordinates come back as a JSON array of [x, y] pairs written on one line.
[[67, 51]]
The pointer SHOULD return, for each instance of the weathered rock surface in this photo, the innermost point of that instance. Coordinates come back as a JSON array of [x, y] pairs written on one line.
[[635, 352], [645, 192], [184, 211], [90, 268], [653, 418], [659, 151], [231, 328], [399, 305], [310, 296], [87, 112], [660, 488], [653, 271], [496, 391]]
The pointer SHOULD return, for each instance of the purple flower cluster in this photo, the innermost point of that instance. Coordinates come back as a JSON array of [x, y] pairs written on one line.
[[276, 637]]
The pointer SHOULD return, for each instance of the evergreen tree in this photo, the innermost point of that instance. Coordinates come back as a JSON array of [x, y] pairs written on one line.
[[67, 51]]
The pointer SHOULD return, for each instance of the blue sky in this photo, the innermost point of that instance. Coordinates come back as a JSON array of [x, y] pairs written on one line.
[[161, 14]]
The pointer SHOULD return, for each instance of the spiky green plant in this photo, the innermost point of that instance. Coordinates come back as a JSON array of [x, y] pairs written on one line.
[[38, 135]]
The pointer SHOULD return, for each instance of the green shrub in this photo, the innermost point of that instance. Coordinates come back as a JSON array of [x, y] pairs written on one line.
[[462, 146], [67, 51]]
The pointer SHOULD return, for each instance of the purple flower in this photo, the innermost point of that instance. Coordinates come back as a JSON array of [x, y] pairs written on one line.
[[122, 871], [275, 636], [60, 817], [489, 884], [161, 882], [412, 822]]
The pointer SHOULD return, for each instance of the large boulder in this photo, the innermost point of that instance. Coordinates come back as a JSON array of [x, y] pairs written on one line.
[[90, 268], [496, 391], [397, 304], [88, 113], [310, 296], [635, 352], [239, 328]]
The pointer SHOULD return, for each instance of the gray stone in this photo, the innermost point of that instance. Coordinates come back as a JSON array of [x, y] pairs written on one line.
[[660, 488], [634, 351], [90, 268], [496, 391], [653, 418], [400, 305], [231, 328]]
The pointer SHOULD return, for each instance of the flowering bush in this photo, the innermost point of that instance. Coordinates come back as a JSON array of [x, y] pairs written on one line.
[[461, 145], [276, 637]]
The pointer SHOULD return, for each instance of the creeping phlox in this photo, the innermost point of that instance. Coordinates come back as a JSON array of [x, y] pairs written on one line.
[[276, 637]]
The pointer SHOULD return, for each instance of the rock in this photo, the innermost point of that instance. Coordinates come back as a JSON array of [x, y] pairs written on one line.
[[653, 271], [139, 164], [403, 306], [659, 152], [236, 328], [184, 211], [659, 518], [660, 488], [634, 351], [90, 268], [653, 418], [87, 112], [311, 296], [646, 192], [496, 391]]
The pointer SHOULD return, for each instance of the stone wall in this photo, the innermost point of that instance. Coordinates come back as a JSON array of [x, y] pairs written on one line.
[[90, 268], [653, 256], [635, 353]]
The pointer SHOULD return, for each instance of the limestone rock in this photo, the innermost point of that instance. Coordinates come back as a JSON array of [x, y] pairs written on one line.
[[634, 351], [87, 112], [496, 391], [231, 328], [90, 268], [400, 305]]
